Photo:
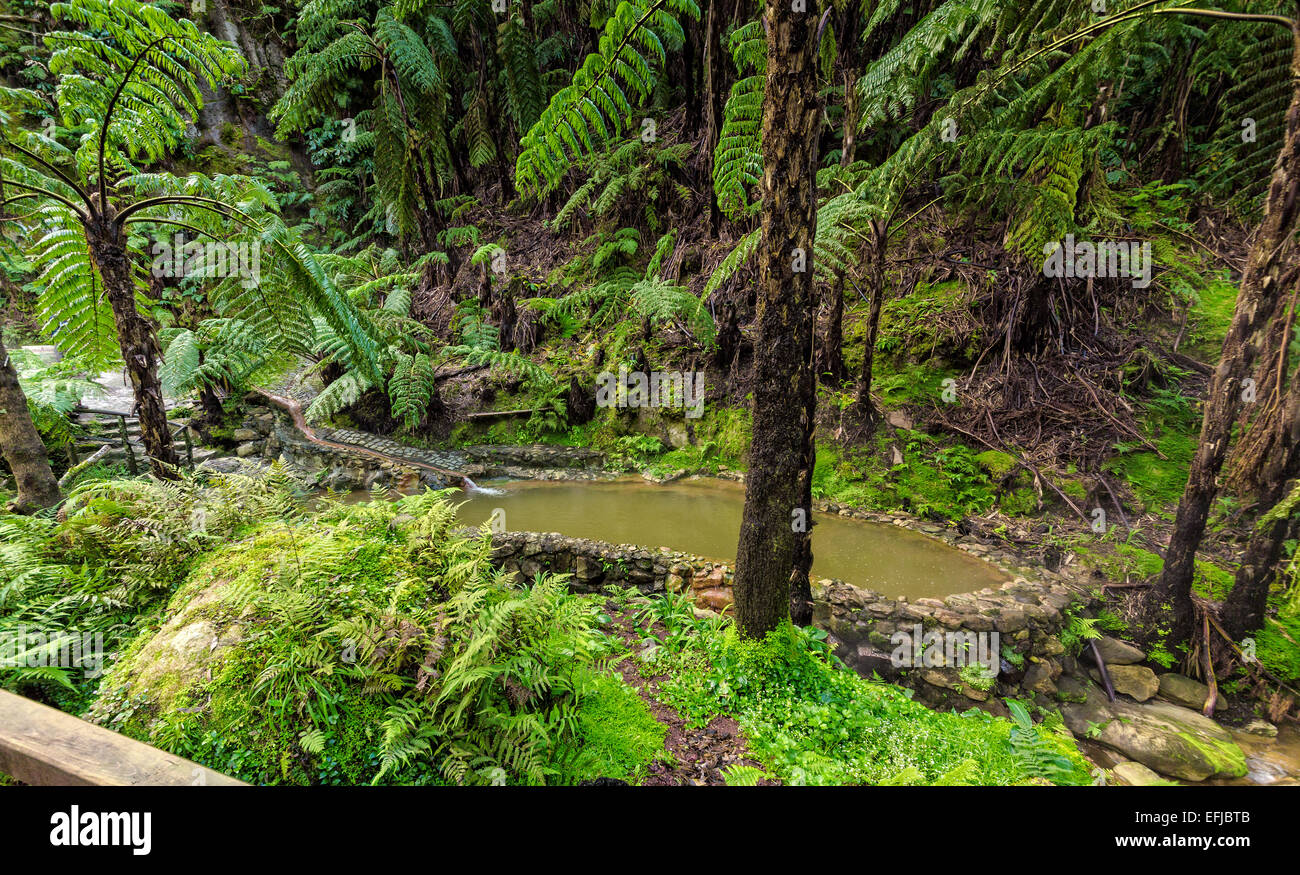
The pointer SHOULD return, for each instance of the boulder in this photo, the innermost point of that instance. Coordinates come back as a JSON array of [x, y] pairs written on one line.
[[1137, 681], [1113, 650], [1183, 691], [1038, 678], [714, 599], [1132, 774], [1261, 727], [1168, 738]]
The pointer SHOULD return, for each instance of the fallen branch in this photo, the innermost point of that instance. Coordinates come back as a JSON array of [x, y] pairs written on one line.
[[76, 469], [488, 414], [1101, 667], [1213, 698]]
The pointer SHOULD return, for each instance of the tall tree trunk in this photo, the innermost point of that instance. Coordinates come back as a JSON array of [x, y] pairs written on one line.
[[830, 357], [137, 340], [715, 83], [783, 379], [866, 409], [22, 446], [1270, 268], [1246, 604]]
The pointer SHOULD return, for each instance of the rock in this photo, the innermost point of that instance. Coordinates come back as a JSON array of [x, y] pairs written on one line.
[[714, 599], [1168, 738], [899, 419], [1183, 691], [1261, 727], [243, 451], [245, 434], [1137, 681], [1038, 678], [1113, 650], [1132, 774], [674, 583], [868, 659]]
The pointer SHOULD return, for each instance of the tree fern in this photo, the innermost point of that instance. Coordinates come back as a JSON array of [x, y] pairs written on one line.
[[597, 106]]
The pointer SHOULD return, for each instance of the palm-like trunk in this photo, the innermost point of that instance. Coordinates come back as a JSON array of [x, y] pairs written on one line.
[[22, 446], [137, 339], [866, 409], [783, 378], [1270, 269], [1247, 603]]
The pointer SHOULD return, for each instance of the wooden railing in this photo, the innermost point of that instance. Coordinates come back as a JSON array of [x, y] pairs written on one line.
[[132, 466], [40, 745]]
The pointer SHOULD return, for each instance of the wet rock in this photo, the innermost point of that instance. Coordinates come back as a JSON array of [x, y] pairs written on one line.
[[1183, 691], [1168, 738], [1137, 681], [1261, 727], [1038, 678], [1113, 650], [1131, 774]]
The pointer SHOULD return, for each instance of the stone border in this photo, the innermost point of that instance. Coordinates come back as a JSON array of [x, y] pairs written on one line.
[[1027, 614]]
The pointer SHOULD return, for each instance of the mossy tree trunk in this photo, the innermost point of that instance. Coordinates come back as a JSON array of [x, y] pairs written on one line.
[[784, 382], [1247, 603], [22, 446], [1272, 266], [137, 340], [876, 281]]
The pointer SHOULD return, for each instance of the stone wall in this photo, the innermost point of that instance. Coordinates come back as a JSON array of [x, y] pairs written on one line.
[[1027, 612]]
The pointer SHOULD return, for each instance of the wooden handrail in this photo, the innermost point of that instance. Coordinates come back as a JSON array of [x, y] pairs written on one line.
[[40, 745]]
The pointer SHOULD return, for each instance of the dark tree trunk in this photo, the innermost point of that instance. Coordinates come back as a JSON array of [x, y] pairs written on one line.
[[22, 446], [1246, 604], [137, 340], [690, 88], [214, 412], [830, 358], [715, 97], [783, 379], [801, 606], [1271, 266], [866, 409], [849, 39]]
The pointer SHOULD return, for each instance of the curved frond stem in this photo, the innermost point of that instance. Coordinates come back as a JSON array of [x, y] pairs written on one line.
[[47, 193], [211, 204], [63, 177]]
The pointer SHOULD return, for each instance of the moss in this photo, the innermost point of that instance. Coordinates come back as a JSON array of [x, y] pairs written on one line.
[[1225, 756], [1211, 316], [617, 734], [1278, 653], [231, 134], [996, 463]]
